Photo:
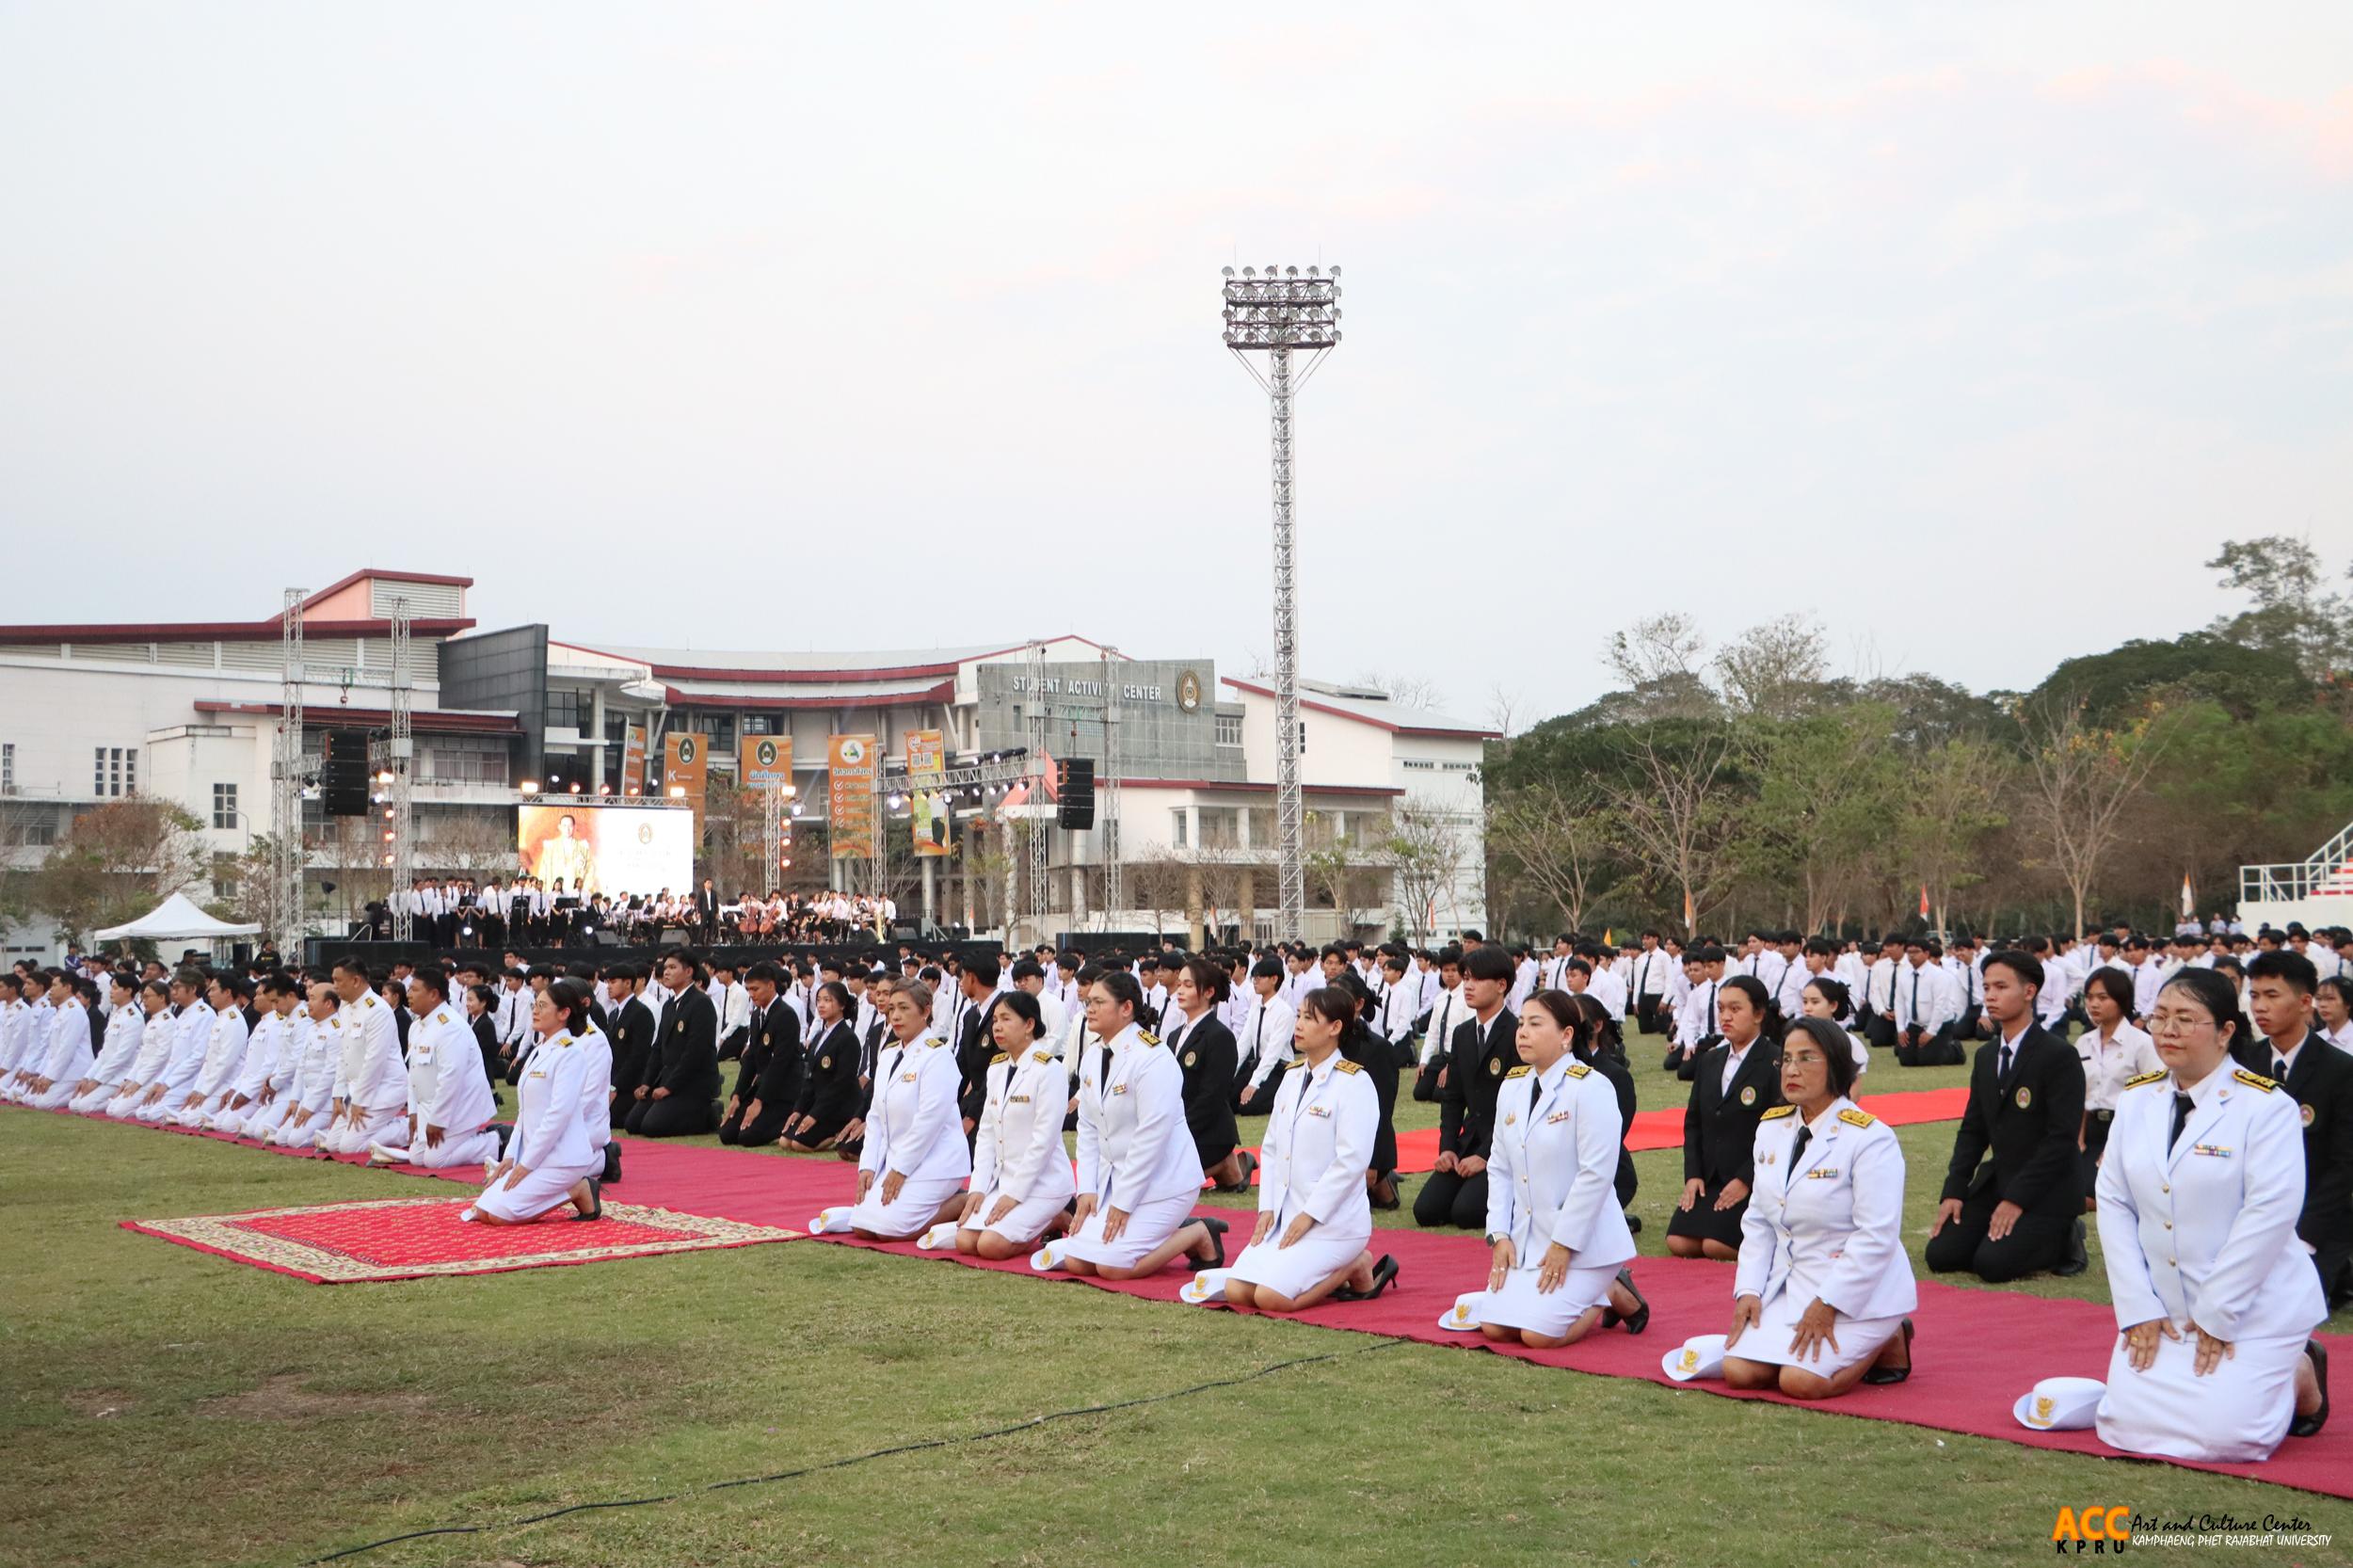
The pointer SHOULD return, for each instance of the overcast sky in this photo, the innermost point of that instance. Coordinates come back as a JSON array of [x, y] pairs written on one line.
[[1970, 328]]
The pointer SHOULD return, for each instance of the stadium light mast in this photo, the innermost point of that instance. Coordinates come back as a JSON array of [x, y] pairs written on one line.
[[1275, 315]]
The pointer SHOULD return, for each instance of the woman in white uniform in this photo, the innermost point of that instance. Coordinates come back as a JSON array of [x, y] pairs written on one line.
[[2215, 1296], [1315, 1213], [1560, 1239], [1823, 1285], [1139, 1172], [915, 1158], [1825, 998], [1021, 1183], [550, 1159], [2113, 1053]]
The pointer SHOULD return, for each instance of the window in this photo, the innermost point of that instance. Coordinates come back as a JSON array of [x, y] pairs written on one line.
[[7, 768], [114, 771], [1229, 729], [224, 805], [563, 708], [1176, 826]]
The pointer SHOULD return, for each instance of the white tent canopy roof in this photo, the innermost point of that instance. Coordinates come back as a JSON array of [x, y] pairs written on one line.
[[175, 920]]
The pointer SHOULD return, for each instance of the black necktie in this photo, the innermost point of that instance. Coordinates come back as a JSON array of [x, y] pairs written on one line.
[[2280, 1068], [1711, 1009], [1916, 1003], [2003, 1073], [1797, 1150], [2182, 1104]]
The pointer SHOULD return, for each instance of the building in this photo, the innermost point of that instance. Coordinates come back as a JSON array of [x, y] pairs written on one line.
[[1183, 841]]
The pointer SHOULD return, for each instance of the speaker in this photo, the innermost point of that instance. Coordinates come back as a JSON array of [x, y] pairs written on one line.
[[344, 772], [1078, 793]]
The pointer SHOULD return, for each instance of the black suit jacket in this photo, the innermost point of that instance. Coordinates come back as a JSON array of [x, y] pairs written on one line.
[[685, 1056], [2322, 1082], [829, 1071], [1467, 1110], [974, 1048], [633, 1045], [2034, 1159], [1621, 1083], [488, 1038], [1720, 1123], [773, 1037], [1210, 1058]]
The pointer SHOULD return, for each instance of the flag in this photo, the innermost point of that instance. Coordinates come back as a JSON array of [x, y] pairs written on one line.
[[1687, 922], [1924, 901], [2189, 901]]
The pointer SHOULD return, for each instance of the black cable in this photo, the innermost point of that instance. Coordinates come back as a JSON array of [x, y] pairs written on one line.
[[919, 1446]]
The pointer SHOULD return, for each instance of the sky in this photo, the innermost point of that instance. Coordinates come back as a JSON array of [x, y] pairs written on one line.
[[1971, 330]]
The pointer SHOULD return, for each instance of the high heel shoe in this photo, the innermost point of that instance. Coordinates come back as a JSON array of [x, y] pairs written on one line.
[[1217, 1239], [595, 1201], [1635, 1320], [1383, 1273], [2309, 1426], [1881, 1376]]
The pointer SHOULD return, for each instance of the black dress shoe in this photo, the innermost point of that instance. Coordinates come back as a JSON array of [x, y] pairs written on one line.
[[1383, 1273], [1635, 1320], [1249, 1168], [2078, 1257], [1884, 1375], [595, 1201], [2309, 1426], [1634, 1225], [1217, 1239]]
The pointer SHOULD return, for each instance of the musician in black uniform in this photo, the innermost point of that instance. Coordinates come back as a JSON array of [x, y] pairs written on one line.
[[768, 1083], [1484, 1047], [681, 1094], [1734, 1082], [829, 1096], [1206, 1049], [2285, 1048], [2019, 1211]]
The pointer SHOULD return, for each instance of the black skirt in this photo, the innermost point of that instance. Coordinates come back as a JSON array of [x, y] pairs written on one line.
[[1706, 1223]]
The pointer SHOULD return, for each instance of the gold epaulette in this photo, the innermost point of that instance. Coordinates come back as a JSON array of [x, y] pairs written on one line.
[[1520, 1071], [1043, 1056], [1000, 1056], [2146, 1077], [2256, 1081], [1296, 1062], [1578, 1069], [1347, 1066], [1853, 1117], [1779, 1110], [1147, 1037]]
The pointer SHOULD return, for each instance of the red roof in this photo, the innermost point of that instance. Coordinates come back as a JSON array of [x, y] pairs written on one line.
[[432, 721], [929, 669], [267, 631], [365, 573], [944, 692]]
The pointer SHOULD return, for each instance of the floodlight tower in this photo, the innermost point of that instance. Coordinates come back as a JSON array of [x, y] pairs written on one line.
[[1273, 315]]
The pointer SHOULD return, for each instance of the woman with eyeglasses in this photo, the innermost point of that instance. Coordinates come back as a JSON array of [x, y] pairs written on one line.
[[2215, 1298]]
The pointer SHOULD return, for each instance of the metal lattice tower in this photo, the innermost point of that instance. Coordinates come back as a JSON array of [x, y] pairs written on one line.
[[1106, 800], [287, 856], [1038, 738], [770, 836], [400, 756], [1273, 316]]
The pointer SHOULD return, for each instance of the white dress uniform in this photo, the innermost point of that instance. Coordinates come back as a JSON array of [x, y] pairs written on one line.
[[368, 1075], [913, 1128], [1551, 1173], [1319, 1145], [156, 1035], [1826, 1223], [264, 1048], [551, 1141], [446, 1088], [67, 1062], [2202, 1229], [1017, 1150], [293, 1119], [224, 1052], [1135, 1152], [124, 1034]]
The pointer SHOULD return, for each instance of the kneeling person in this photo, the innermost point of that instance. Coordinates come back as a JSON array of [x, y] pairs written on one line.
[[1021, 1183]]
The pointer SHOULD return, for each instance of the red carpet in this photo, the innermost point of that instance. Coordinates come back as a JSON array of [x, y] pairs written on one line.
[[343, 1243], [1978, 1350]]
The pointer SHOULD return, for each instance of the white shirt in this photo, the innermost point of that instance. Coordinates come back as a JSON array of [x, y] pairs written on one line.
[[1264, 1041], [2110, 1064]]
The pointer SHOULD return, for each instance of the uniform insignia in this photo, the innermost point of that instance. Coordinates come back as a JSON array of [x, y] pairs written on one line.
[[371, 999], [1346, 1066], [1320, 1113], [1018, 1100], [1520, 1071], [2215, 1150], [1147, 1037], [1778, 1110], [680, 1029], [2026, 1096], [1190, 1057], [2144, 1077], [1118, 1089], [1558, 1116], [1856, 1118], [1748, 1095], [442, 1017], [1821, 1173], [2256, 1081], [2305, 1112], [1578, 1069], [825, 1061], [1494, 1066], [1000, 1056], [907, 1078], [1296, 1062], [1042, 1056]]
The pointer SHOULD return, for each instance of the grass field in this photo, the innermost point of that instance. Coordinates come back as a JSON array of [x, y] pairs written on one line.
[[162, 1407]]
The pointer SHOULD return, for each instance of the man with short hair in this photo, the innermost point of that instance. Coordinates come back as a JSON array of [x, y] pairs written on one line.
[[224, 1054], [2288, 1051], [370, 1093], [1484, 1047]]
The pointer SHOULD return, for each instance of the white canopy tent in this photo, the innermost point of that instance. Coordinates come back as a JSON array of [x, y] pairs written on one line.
[[175, 920]]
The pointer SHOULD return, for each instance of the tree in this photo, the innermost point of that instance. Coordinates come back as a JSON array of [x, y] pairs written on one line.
[[1157, 883], [1775, 670], [1425, 853], [1336, 862], [2076, 786], [1561, 839], [1951, 795], [1680, 811], [2292, 614], [115, 862], [253, 898], [1826, 799], [1406, 691]]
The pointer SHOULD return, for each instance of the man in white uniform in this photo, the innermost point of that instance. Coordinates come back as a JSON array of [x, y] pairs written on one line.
[[124, 1033], [370, 1089], [450, 1099], [264, 1050], [224, 1052]]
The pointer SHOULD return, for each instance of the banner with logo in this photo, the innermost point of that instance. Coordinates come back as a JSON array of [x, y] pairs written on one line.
[[634, 762], [927, 798], [683, 761], [851, 762], [763, 761]]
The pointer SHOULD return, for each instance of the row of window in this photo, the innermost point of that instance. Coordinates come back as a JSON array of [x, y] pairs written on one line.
[[115, 771]]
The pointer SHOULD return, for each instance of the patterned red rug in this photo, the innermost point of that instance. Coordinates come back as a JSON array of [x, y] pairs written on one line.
[[423, 1238]]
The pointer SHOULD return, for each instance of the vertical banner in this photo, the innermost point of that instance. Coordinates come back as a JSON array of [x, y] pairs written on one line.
[[634, 762], [927, 801], [851, 762], [683, 766], [763, 761]]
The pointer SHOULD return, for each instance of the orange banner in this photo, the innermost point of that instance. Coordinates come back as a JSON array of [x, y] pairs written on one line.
[[927, 801], [851, 764], [634, 762], [763, 761], [683, 763]]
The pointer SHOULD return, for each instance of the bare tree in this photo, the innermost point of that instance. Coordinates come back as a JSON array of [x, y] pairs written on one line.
[[1561, 842], [1157, 882], [1406, 691], [1774, 670], [116, 861], [1678, 813], [1424, 851], [472, 844], [1218, 871], [1335, 861], [1952, 793], [1656, 648], [2078, 785]]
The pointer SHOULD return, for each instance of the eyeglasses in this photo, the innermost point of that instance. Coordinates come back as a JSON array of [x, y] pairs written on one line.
[[2177, 1023]]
